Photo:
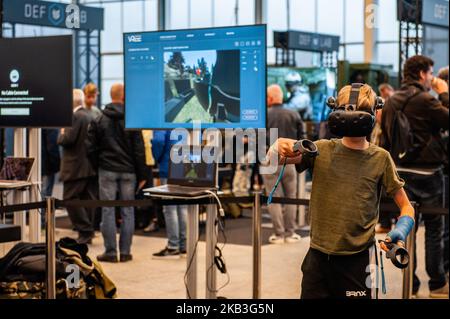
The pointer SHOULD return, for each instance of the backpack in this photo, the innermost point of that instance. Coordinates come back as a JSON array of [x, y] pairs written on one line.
[[402, 146], [23, 273]]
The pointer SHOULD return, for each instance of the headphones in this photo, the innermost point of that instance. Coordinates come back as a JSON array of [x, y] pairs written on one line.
[[347, 120]]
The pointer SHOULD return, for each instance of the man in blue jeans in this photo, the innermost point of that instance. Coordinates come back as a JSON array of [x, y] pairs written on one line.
[[175, 216], [120, 158]]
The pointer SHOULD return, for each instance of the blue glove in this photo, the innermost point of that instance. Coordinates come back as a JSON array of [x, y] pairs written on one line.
[[402, 228]]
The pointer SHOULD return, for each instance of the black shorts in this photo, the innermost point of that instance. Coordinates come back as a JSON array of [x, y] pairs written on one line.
[[338, 277]]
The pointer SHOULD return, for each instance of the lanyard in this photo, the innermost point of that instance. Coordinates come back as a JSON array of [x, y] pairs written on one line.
[[280, 176]]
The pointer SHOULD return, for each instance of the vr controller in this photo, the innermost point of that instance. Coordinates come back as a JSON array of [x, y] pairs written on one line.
[[308, 150], [306, 147], [397, 254]]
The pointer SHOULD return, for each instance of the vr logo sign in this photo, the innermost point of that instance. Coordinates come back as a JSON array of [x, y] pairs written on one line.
[[71, 14], [135, 38]]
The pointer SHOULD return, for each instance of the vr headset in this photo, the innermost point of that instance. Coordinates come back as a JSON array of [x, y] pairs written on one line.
[[346, 120]]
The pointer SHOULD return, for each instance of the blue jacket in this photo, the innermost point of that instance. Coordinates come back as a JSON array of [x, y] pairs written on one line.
[[161, 146]]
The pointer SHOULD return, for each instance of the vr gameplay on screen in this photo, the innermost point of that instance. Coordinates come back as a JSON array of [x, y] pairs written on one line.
[[215, 77], [36, 82]]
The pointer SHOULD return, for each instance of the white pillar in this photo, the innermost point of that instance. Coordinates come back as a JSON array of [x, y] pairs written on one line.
[[260, 11]]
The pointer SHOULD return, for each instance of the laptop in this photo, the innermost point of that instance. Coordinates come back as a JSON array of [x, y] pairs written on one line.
[[191, 177], [16, 172]]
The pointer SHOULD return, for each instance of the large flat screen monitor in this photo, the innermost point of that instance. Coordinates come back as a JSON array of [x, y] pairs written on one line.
[[36, 82], [214, 76]]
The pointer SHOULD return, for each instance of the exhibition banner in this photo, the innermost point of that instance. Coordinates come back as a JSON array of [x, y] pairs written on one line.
[[52, 14], [435, 12]]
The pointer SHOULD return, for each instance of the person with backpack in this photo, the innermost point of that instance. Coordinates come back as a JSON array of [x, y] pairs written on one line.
[[412, 123]]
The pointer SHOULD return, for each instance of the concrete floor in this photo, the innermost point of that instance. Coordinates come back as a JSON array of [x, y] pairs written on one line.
[[145, 277]]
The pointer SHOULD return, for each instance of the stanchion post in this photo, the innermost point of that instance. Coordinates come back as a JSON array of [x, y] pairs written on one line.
[[408, 272], [51, 249], [211, 242], [256, 240], [192, 238]]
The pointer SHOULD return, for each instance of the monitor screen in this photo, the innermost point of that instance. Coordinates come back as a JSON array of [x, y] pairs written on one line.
[[215, 77], [36, 82], [189, 168]]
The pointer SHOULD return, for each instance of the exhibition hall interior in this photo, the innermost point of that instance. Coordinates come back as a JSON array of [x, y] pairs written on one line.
[[224, 149]]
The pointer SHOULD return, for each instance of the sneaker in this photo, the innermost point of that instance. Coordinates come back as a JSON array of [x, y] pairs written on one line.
[[275, 239], [441, 293], [107, 258], [294, 238], [183, 253], [85, 239], [167, 253], [124, 258], [152, 227]]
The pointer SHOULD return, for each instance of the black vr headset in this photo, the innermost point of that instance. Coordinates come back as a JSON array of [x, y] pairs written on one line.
[[346, 120]]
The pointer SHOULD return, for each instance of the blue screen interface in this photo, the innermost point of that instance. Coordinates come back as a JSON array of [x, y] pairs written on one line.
[[214, 77]]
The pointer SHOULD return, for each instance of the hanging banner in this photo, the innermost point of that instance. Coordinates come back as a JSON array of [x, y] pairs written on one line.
[[435, 12], [52, 14]]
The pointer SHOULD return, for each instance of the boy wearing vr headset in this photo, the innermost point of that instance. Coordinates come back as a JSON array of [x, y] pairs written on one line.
[[348, 175]]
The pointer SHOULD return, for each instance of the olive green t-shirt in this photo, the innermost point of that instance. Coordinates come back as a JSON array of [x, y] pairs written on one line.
[[346, 189]]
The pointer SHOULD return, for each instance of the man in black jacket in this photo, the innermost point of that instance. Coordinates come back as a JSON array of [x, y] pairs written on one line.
[[120, 157], [77, 173], [427, 117]]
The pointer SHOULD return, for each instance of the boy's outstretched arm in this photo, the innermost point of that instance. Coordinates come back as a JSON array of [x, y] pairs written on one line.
[[405, 222], [284, 147]]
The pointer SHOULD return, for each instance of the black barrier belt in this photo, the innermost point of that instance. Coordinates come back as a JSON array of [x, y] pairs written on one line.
[[286, 201], [153, 201], [22, 207], [433, 210], [104, 203], [424, 210], [390, 207]]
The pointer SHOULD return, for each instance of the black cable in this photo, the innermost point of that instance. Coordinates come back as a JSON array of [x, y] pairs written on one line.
[[39, 191], [219, 259]]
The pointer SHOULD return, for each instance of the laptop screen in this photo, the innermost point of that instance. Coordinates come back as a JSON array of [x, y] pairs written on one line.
[[192, 171], [16, 168]]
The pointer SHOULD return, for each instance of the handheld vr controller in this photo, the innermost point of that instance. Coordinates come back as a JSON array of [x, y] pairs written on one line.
[[397, 254], [308, 150], [306, 147]]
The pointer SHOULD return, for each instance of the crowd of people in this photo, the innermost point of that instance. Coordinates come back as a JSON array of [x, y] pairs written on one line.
[[102, 160]]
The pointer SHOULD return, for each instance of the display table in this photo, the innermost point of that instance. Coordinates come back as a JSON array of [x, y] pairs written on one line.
[[21, 190], [192, 237]]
